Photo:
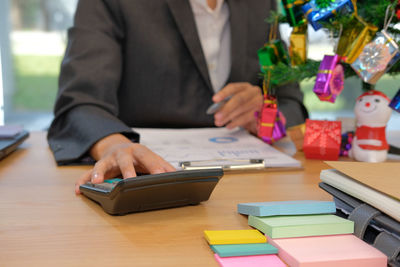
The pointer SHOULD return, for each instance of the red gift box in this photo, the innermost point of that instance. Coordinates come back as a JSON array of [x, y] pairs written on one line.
[[267, 117], [322, 139]]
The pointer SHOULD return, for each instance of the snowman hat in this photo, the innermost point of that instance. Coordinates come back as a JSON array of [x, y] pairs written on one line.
[[374, 92]]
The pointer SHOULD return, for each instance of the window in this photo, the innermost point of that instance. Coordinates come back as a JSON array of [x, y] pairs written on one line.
[[36, 38]]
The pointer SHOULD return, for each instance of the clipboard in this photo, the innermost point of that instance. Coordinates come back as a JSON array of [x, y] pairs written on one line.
[[225, 164], [209, 148]]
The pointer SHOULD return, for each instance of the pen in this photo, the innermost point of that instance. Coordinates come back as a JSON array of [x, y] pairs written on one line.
[[216, 106]]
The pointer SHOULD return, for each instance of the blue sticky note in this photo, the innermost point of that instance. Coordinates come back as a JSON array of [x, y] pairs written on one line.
[[244, 249], [299, 207]]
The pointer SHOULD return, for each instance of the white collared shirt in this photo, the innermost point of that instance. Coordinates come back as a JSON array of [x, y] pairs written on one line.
[[215, 37]]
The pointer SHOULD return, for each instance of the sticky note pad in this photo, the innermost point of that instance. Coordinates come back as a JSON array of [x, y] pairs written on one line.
[[287, 208], [253, 261], [234, 237], [244, 249], [301, 225], [328, 251]]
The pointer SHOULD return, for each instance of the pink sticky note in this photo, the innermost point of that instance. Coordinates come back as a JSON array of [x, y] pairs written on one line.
[[253, 261], [328, 251]]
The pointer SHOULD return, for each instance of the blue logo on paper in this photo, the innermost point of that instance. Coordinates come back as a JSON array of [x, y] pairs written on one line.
[[223, 140]]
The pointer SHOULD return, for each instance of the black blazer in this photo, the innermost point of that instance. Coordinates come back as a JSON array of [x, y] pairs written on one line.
[[139, 63]]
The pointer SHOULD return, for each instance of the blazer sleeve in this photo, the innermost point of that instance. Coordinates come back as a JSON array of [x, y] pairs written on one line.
[[86, 108]]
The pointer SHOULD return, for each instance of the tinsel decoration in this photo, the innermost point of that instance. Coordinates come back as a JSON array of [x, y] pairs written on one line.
[[375, 57]]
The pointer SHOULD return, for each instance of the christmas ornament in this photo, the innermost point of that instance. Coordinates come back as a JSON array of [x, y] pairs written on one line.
[[395, 103], [318, 11], [294, 15], [330, 79], [298, 45], [322, 139], [372, 114], [272, 53], [270, 125], [376, 58], [370, 65], [354, 37]]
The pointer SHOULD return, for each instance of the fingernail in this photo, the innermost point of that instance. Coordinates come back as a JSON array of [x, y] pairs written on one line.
[[95, 176], [130, 174]]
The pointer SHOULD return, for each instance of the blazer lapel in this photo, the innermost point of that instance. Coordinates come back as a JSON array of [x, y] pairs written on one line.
[[238, 20], [183, 15]]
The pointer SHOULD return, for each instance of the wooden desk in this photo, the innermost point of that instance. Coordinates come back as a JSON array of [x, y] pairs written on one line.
[[43, 223]]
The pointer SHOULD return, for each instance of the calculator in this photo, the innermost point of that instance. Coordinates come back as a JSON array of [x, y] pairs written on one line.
[[153, 191]]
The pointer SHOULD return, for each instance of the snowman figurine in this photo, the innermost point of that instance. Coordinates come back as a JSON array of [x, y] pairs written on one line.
[[372, 114]]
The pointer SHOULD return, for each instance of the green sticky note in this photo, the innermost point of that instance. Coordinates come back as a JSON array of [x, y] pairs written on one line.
[[301, 225], [244, 249]]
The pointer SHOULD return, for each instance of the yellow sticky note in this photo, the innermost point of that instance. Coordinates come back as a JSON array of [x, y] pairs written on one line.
[[234, 237]]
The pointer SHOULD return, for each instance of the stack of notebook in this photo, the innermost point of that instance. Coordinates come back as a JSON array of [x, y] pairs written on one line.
[[369, 195], [242, 248], [306, 233]]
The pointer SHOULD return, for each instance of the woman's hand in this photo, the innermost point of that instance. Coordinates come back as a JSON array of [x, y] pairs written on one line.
[[245, 100], [117, 155]]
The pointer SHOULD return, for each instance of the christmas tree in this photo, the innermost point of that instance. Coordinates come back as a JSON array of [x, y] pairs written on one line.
[[366, 38], [369, 14]]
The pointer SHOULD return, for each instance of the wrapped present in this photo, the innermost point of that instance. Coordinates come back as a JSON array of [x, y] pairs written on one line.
[[317, 11], [272, 53], [395, 103], [270, 125], [330, 79], [354, 38], [294, 15], [376, 58], [298, 45], [322, 139]]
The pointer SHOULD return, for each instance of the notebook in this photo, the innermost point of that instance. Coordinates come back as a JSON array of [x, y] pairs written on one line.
[[383, 177], [10, 140], [374, 183]]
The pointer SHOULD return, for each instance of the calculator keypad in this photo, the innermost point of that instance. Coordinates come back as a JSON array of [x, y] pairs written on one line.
[[108, 185]]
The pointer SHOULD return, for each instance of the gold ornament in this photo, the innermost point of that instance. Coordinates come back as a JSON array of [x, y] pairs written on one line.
[[298, 45]]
